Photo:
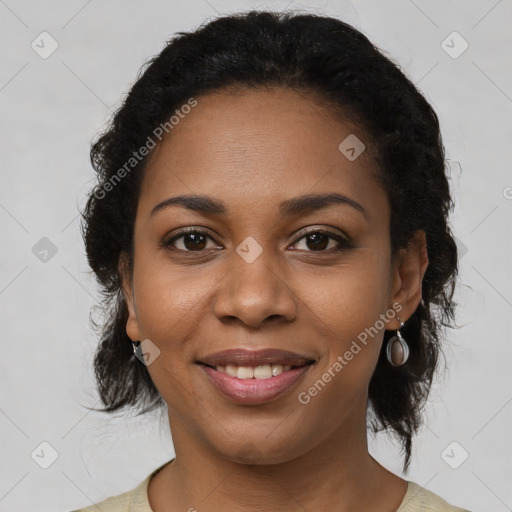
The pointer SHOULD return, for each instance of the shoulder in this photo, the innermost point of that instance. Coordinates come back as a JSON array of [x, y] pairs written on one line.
[[135, 500], [419, 499], [130, 501]]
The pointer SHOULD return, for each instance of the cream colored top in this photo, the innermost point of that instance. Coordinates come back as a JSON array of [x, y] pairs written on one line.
[[416, 499]]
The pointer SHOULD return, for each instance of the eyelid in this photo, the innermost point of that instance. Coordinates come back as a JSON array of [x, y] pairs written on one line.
[[321, 229], [344, 242]]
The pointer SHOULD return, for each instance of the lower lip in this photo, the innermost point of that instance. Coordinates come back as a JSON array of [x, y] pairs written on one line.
[[254, 391]]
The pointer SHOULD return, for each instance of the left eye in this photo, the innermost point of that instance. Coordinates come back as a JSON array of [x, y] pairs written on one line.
[[318, 241]]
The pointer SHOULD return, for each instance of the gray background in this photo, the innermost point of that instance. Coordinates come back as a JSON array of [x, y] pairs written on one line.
[[53, 107]]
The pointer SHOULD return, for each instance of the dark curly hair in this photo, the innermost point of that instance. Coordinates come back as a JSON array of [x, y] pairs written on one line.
[[331, 61]]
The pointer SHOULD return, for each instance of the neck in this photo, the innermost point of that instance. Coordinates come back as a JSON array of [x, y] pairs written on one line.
[[338, 473]]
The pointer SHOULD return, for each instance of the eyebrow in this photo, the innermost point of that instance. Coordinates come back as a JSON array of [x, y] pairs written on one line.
[[298, 205]]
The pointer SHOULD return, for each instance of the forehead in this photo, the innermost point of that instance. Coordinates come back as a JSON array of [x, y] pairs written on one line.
[[260, 145]]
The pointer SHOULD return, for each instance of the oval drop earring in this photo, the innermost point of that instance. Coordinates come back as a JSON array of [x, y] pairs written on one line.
[[397, 350]]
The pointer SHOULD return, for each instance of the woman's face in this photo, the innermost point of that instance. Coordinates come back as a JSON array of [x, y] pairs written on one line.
[[257, 277]]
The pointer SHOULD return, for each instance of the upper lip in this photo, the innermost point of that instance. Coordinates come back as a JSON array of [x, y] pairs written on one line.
[[243, 357]]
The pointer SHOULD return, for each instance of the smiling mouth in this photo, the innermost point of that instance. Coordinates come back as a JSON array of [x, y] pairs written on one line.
[[265, 371], [254, 385], [254, 377]]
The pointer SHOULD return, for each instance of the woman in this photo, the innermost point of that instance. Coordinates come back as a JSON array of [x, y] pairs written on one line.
[[270, 228]]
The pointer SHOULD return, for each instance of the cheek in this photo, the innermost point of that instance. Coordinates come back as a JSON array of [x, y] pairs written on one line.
[[166, 304], [351, 297], [167, 310], [347, 310]]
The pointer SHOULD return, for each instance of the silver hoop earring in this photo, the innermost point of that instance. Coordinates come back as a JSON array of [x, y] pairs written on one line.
[[397, 350]]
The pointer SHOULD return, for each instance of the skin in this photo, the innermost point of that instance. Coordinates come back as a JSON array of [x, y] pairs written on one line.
[[253, 149]]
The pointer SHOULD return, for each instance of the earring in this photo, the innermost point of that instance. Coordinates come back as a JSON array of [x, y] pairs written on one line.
[[397, 350], [137, 349]]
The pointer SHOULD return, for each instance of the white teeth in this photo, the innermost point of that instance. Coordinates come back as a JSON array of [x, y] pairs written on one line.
[[230, 370], [277, 369], [265, 371], [245, 372]]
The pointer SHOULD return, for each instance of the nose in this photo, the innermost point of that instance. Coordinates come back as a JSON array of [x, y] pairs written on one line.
[[255, 293]]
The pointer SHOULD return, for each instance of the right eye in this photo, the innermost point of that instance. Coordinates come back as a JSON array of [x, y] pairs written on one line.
[[191, 240]]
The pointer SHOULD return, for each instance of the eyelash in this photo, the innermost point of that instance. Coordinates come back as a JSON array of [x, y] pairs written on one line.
[[344, 243]]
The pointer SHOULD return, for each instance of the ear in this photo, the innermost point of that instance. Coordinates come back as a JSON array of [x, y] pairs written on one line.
[[132, 326], [409, 268]]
